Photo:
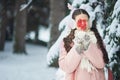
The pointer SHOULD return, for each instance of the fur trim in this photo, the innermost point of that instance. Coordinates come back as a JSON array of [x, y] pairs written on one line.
[[85, 64]]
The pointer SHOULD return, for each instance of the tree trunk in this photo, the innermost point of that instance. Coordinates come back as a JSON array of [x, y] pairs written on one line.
[[57, 13], [4, 21], [20, 29], [36, 35]]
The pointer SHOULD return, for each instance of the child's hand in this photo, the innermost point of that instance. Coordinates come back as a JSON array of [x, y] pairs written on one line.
[[79, 48], [78, 40]]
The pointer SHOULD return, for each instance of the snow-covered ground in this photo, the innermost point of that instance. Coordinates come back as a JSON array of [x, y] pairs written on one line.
[[25, 67]]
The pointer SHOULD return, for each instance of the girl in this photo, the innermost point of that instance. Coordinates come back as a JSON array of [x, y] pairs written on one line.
[[79, 61]]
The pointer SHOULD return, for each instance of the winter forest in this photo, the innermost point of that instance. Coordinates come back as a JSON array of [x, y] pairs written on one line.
[[31, 32]]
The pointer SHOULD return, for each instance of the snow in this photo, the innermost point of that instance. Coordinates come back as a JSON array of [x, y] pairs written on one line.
[[117, 4], [31, 35], [60, 75], [86, 7], [23, 6], [54, 50], [66, 22], [116, 10], [25, 67], [113, 26], [114, 31], [44, 34], [92, 1], [98, 9], [118, 30], [76, 2]]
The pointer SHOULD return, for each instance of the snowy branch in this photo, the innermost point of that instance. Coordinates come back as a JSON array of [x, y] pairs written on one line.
[[23, 6]]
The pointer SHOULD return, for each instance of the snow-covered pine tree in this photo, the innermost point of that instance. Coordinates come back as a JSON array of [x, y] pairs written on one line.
[[112, 36]]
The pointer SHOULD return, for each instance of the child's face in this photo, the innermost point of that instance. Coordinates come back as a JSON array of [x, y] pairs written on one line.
[[82, 22]]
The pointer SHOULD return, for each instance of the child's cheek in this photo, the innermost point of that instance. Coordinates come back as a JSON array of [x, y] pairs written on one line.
[[82, 24]]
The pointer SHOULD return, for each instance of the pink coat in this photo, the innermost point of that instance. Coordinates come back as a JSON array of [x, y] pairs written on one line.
[[70, 63]]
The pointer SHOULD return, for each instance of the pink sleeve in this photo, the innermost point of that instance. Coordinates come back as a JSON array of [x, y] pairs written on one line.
[[95, 55], [68, 62]]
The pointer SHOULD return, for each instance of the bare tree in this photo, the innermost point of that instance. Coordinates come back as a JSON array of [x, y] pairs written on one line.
[[3, 25], [20, 28], [57, 12]]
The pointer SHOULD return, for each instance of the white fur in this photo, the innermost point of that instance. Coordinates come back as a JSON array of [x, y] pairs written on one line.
[[79, 36], [85, 64]]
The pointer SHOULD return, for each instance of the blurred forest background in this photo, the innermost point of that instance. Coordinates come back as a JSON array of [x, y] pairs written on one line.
[[22, 21]]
